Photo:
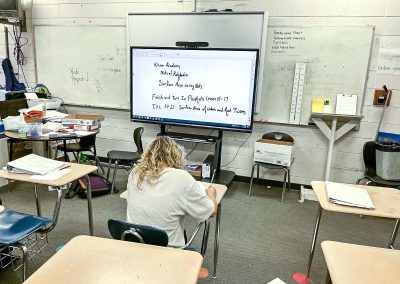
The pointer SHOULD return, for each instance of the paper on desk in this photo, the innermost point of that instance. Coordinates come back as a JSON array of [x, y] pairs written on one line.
[[83, 133], [51, 176], [31, 96], [276, 281], [55, 114]]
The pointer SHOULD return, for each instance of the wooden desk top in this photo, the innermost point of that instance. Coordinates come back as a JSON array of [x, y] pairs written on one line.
[[1, 208], [77, 171], [14, 135], [221, 190], [355, 264], [95, 260], [386, 201]]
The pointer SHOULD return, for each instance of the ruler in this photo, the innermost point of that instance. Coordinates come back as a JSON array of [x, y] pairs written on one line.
[[297, 93]]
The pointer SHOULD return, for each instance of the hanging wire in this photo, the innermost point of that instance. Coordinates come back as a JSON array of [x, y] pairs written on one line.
[[237, 152]]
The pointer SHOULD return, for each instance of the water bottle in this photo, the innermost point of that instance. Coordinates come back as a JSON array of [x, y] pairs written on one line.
[[1, 126], [22, 126]]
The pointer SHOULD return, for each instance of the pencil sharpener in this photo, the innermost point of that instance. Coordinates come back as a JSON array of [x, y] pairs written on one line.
[[380, 98]]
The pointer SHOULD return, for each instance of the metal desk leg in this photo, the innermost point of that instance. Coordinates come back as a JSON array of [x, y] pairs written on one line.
[[65, 150], [216, 241], [394, 234], [38, 208], [205, 237], [11, 149], [314, 239], [89, 201]]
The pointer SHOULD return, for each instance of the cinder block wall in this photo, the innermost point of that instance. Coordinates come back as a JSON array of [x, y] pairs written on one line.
[[311, 145]]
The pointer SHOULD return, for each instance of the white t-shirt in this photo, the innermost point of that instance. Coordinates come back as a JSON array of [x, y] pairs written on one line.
[[164, 203]]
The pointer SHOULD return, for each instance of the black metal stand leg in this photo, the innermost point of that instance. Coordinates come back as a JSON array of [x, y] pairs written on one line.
[[216, 241], [258, 174], [89, 201], [394, 234], [314, 239]]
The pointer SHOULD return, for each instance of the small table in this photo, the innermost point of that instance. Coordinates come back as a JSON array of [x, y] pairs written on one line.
[[89, 260], [386, 202], [355, 264], [221, 190], [13, 136], [77, 171]]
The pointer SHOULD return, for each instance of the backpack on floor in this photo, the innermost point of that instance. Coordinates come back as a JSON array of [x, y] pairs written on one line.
[[99, 185]]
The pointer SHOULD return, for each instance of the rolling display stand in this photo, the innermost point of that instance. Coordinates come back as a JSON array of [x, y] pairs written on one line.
[[221, 176]]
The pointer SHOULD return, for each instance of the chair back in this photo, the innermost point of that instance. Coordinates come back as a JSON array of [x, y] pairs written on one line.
[[278, 136], [121, 230], [369, 156], [87, 142], [137, 137]]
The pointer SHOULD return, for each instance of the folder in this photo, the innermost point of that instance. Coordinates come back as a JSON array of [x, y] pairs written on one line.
[[348, 195], [34, 164]]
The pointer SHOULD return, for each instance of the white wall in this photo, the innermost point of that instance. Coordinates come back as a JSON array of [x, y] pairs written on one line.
[[311, 145]]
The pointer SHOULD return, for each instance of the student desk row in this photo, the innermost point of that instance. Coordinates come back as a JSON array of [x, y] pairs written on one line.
[[221, 190], [385, 200], [355, 264], [77, 171], [89, 260]]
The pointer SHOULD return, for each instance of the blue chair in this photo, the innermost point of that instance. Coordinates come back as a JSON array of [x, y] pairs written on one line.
[[16, 226], [125, 231]]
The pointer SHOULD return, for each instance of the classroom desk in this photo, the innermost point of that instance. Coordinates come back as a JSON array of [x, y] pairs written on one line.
[[77, 171], [386, 202], [355, 264], [221, 190], [89, 260], [13, 137]]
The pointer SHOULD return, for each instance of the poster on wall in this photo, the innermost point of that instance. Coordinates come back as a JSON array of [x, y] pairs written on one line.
[[389, 56]]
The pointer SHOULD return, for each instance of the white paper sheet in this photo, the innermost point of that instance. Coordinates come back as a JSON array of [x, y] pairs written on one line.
[[51, 176]]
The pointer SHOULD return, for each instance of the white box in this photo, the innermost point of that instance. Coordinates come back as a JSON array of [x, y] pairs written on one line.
[[274, 152]]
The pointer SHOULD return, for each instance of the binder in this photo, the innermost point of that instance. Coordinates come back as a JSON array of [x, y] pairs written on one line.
[[348, 195], [34, 164]]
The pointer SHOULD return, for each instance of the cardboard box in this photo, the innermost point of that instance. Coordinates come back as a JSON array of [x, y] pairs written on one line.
[[274, 152], [83, 119]]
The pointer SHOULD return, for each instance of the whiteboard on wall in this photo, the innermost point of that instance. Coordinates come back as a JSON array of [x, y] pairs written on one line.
[[336, 59], [220, 30], [83, 65]]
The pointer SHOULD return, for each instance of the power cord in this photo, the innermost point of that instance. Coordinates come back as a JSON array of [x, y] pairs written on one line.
[[197, 144], [237, 152]]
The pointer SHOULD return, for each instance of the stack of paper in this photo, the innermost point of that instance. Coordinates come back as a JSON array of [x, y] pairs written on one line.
[[345, 194], [34, 164]]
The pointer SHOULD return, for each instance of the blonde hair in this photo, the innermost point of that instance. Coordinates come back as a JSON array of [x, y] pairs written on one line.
[[162, 150]]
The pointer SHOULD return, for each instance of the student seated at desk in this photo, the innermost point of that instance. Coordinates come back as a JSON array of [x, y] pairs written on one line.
[[161, 193]]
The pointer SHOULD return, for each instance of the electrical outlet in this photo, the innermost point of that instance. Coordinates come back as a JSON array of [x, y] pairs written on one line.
[[380, 98]]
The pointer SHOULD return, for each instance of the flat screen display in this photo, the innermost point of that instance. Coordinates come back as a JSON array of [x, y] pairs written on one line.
[[212, 88]]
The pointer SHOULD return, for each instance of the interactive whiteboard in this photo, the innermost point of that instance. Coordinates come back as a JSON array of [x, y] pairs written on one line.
[[197, 87]]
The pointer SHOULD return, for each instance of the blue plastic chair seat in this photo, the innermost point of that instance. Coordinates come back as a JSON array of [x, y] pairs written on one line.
[[15, 226]]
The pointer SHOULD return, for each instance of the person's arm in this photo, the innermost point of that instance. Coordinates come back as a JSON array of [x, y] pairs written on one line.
[[200, 202], [212, 194]]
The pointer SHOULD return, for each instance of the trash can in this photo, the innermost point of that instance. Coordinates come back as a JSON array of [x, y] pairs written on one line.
[[388, 160]]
